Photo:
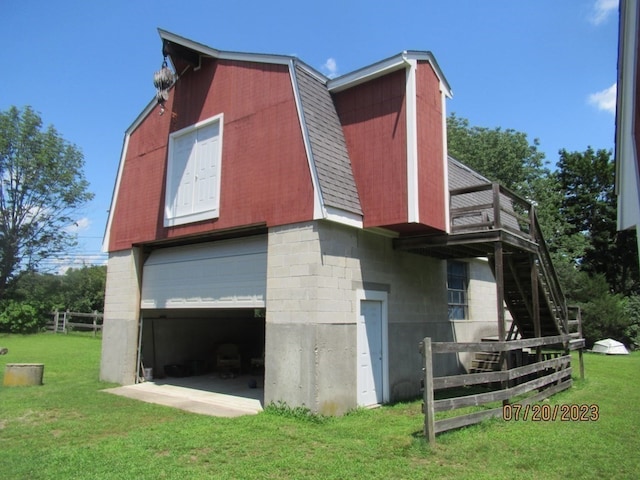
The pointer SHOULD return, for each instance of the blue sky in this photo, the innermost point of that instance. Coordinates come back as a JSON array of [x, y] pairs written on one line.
[[543, 67]]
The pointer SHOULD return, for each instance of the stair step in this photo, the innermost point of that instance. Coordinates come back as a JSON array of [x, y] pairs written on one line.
[[487, 356]]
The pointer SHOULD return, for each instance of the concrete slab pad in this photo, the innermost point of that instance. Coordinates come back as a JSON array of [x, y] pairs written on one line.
[[205, 394]]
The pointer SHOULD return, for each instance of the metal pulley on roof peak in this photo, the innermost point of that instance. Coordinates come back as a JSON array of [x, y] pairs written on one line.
[[163, 80]]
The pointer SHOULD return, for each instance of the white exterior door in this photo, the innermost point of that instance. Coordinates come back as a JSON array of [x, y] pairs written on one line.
[[372, 362]]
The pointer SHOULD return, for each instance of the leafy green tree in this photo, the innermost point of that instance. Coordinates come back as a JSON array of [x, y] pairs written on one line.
[[588, 209], [43, 291], [42, 185], [604, 314], [33, 296], [504, 156], [83, 289]]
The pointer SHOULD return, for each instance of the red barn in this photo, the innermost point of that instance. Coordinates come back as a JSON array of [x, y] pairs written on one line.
[[268, 217]]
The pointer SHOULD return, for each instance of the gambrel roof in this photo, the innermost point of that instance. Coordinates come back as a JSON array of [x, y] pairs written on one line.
[[328, 146], [335, 192]]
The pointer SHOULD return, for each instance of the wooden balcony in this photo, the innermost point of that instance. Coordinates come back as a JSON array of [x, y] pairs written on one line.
[[489, 220]]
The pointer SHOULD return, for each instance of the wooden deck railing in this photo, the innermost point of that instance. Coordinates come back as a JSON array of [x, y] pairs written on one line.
[[549, 273], [489, 206]]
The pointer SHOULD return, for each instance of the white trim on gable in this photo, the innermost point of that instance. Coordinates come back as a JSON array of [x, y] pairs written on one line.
[[366, 74], [114, 197], [341, 216], [413, 199], [223, 55], [445, 160], [116, 188], [385, 67]]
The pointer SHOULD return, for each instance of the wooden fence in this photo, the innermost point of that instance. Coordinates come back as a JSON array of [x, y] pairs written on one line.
[[548, 373], [62, 322]]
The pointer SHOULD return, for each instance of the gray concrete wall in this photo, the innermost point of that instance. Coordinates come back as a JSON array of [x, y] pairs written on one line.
[[314, 271], [121, 314]]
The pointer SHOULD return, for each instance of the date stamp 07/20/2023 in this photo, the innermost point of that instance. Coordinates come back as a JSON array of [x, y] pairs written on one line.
[[566, 412]]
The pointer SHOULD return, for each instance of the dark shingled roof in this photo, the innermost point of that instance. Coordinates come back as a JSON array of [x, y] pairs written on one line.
[[328, 146]]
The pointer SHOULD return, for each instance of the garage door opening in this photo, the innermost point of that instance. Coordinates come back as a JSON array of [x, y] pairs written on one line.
[[214, 350]]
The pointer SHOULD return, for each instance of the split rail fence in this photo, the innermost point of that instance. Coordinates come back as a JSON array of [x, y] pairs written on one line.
[[62, 322], [548, 373]]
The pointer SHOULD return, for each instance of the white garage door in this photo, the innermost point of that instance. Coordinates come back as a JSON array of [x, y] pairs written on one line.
[[225, 274]]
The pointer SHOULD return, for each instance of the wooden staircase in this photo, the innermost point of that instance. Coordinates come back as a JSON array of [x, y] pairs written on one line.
[[532, 290], [485, 362], [491, 221]]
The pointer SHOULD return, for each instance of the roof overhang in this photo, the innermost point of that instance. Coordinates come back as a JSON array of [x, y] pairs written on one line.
[[397, 62], [189, 50]]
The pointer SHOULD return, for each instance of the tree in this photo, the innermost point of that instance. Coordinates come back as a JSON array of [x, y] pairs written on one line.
[[503, 156], [507, 157], [41, 186], [604, 314], [83, 289], [576, 208], [32, 296], [588, 209]]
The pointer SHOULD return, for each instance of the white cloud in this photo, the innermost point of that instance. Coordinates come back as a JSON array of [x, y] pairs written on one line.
[[602, 9], [79, 225], [605, 99], [330, 68]]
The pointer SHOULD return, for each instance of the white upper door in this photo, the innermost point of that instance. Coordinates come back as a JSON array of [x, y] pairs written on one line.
[[370, 353], [207, 166]]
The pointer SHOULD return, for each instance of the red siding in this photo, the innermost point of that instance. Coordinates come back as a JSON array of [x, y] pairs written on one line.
[[265, 176], [430, 148], [374, 122]]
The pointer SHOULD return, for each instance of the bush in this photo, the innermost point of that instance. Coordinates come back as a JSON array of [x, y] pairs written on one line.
[[17, 317], [604, 314], [604, 317]]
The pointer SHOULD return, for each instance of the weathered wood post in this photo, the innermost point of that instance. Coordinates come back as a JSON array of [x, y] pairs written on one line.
[[95, 322], [579, 317], [499, 276], [427, 406], [535, 305]]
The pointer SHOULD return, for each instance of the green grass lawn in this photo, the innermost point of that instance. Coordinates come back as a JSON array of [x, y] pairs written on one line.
[[68, 428]]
